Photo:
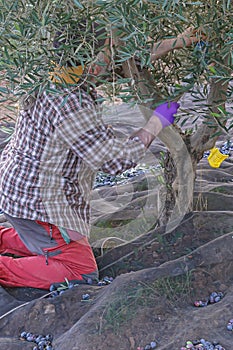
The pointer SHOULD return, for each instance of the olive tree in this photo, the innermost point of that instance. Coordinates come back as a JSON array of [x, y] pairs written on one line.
[[135, 74]]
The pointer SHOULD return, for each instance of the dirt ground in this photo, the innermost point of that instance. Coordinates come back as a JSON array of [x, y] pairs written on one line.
[[157, 276]]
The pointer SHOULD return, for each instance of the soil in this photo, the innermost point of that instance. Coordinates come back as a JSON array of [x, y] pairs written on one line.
[[157, 273]]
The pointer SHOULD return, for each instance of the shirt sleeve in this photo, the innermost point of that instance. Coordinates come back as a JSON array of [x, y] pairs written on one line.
[[95, 143]]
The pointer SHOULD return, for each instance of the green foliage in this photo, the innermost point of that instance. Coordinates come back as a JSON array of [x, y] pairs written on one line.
[[28, 27]]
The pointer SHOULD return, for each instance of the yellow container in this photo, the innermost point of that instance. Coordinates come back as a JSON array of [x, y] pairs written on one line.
[[216, 157]]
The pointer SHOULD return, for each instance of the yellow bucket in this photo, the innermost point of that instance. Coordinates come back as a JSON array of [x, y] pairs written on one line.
[[216, 158]]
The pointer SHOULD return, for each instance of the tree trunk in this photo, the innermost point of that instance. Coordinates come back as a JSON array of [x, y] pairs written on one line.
[[185, 151]]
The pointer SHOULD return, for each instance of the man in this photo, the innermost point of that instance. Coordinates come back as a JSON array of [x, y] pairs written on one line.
[[46, 175]]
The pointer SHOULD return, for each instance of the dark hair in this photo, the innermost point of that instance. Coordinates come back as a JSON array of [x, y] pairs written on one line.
[[78, 43]]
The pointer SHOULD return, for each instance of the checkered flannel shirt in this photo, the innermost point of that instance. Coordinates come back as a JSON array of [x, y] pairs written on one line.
[[48, 168]]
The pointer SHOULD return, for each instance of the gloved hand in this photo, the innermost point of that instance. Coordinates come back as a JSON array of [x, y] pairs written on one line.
[[165, 112]]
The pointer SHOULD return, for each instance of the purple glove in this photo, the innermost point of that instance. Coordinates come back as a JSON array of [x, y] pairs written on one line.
[[165, 112]]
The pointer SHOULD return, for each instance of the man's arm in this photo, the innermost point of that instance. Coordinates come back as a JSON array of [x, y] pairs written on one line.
[[163, 116], [149, 132]]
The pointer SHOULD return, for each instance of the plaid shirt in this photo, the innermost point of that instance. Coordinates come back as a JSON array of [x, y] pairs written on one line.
[[48, 168]]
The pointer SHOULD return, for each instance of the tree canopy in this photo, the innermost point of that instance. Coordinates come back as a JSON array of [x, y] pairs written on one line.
[[28, 28]]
